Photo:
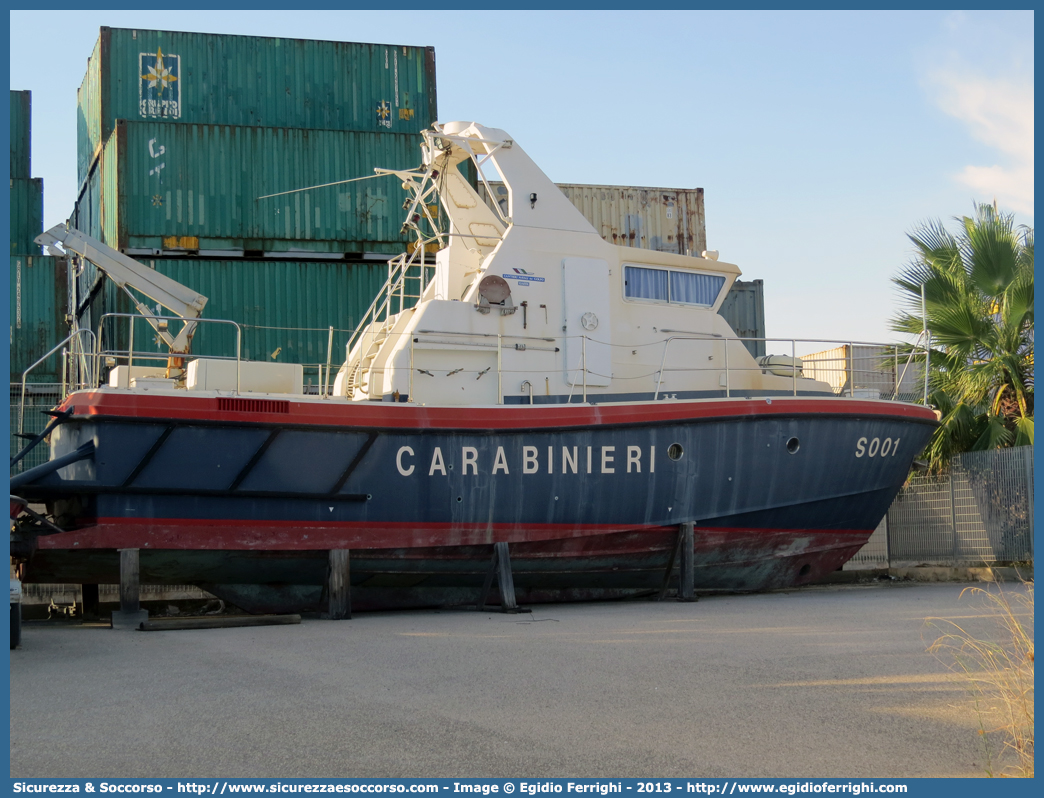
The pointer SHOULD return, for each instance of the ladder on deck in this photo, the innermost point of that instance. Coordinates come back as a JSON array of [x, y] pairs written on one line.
[[365, 343]]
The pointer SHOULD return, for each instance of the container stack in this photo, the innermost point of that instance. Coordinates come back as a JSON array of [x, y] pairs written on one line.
[[38, 293], [37, 283], [184, 138], [26, 192]]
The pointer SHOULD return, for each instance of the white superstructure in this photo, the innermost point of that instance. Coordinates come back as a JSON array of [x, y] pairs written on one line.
[[528, 303]]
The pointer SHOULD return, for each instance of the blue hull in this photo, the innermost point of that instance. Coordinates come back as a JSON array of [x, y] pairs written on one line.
[[588, 497]]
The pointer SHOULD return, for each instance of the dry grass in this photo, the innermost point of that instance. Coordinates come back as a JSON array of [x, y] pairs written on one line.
[[998, 674]]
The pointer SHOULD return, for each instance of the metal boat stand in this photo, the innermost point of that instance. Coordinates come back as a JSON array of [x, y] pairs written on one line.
[[686, 575], [501, 566]]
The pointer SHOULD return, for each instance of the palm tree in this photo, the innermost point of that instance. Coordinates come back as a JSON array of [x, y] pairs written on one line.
[[978, 293]]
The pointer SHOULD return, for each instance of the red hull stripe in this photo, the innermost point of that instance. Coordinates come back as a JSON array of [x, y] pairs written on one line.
[[240, 535], [407, 416]]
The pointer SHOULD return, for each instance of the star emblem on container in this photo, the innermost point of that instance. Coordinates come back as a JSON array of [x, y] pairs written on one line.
[[383, 112], [159, 74], [157, 200]]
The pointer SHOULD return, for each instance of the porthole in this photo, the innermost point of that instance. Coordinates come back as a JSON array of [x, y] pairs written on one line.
[[460, 498], [675, 451], [793, 445], [804, 570]]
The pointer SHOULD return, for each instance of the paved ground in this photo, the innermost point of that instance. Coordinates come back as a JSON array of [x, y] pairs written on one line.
[[828, 681]]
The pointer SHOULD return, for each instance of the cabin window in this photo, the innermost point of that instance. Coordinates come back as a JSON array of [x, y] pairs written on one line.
[[675, 287], [642, 283], [692, 288]]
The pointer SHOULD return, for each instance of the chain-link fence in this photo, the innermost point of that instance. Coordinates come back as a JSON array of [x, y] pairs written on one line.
[[874, 553], [979, 512]]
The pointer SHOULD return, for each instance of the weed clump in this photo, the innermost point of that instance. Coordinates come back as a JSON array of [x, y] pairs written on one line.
[[998, 674]]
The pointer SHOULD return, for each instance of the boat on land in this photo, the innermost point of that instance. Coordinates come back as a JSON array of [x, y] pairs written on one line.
[[530, 385]]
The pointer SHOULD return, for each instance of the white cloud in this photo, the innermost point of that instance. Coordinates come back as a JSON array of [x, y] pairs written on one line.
[[999, 113], [993, 97]]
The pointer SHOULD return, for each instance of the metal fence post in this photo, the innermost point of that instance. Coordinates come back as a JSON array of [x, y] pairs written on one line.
[[1027, 456], [888, 530], [953, 517]]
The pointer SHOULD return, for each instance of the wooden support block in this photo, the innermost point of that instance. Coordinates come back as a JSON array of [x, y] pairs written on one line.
[[130, 587], [130, 615], [505, 577], [686, 575], [90, 601], [488, 581], [217, 622], [338, 585]]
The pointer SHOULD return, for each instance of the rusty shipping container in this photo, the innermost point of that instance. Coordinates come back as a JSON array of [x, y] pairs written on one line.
[[21, 134], [38, 304], [661, 219], [26, 199], [187, 188], [201, 78]]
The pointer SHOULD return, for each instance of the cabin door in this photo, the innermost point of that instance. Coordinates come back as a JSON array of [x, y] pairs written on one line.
[[586, 306]]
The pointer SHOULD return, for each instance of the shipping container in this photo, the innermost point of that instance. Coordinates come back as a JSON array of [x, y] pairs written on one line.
[[21, 133], [661, 219], [161, 186], [744, 310], [867, 371], [86, 215], [200, 78], [26, 214], [285, 308], [38, 303]]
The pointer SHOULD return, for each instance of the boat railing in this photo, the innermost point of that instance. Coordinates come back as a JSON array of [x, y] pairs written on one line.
[[86, 373], [317, 376], [393, 298], [855, 369], [858, 369], [112, 356]]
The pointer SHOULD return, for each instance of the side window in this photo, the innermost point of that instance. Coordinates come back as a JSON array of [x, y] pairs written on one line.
[[673, 287], [691, 288], [642, 283]]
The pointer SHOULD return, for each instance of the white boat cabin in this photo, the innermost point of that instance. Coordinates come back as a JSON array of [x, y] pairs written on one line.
[[532, 306]]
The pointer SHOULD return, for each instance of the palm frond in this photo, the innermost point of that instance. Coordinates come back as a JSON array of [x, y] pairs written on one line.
[[977, 286]]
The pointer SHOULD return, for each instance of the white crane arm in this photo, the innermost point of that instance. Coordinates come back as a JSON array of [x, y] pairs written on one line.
[[128, 273]]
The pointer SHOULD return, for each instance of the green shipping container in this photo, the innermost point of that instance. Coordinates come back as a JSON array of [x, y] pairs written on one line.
[[201, 78], [38, 306], [21, 133], [285, 307], [26, 215], [167, 186], [86, 214]]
